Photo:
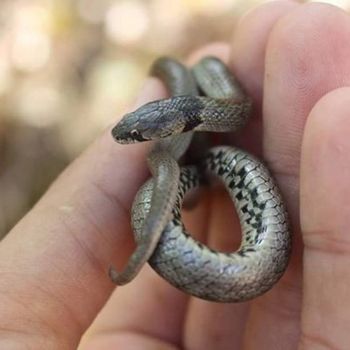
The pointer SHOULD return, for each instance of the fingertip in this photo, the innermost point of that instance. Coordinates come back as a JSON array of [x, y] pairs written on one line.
[[247, 61], [313, 16], [329, 117], [306, 57], [152, 89], [249, 43], [325, 161], [304, 44], [218, 49]]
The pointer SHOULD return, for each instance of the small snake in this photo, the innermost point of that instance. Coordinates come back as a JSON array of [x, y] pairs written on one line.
[[187, 264], [164, 167]]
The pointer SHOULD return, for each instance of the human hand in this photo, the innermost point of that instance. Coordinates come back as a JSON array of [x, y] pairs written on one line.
[[293, 60]]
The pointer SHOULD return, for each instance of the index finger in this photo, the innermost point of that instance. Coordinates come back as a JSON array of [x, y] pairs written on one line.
[[54, 262]]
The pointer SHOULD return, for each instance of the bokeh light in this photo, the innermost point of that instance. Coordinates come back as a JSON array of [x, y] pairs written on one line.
[[30, 41], [127, 21], [211, 7], [91, 10]]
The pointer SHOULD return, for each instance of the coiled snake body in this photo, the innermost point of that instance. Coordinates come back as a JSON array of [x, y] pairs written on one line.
[[162, 239]]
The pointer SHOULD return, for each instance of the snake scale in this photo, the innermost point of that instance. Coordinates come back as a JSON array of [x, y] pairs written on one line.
[[161, 237]]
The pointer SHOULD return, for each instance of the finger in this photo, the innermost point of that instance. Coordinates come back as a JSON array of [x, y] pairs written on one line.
[[149, 305], [211, 325], [249, 44], [247, 61], [325, 170], [307, 56], [54, 263], [125, 341]]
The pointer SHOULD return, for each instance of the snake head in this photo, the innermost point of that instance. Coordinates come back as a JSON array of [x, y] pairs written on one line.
[[152, 121]]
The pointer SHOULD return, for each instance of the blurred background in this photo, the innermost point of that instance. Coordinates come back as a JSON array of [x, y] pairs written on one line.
[[68, 67]]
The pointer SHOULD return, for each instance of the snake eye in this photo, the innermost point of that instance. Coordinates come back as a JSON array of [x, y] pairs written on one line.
[[134, 133]]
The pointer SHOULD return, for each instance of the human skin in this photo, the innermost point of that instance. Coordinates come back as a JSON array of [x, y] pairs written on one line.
[[294, 60]]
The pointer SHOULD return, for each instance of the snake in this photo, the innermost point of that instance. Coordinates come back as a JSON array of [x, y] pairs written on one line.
[[219, 105], [163, 164]]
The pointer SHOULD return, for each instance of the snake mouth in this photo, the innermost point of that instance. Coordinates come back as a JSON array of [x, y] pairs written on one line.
[[124, 141], [126, 137], [137, 137]]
